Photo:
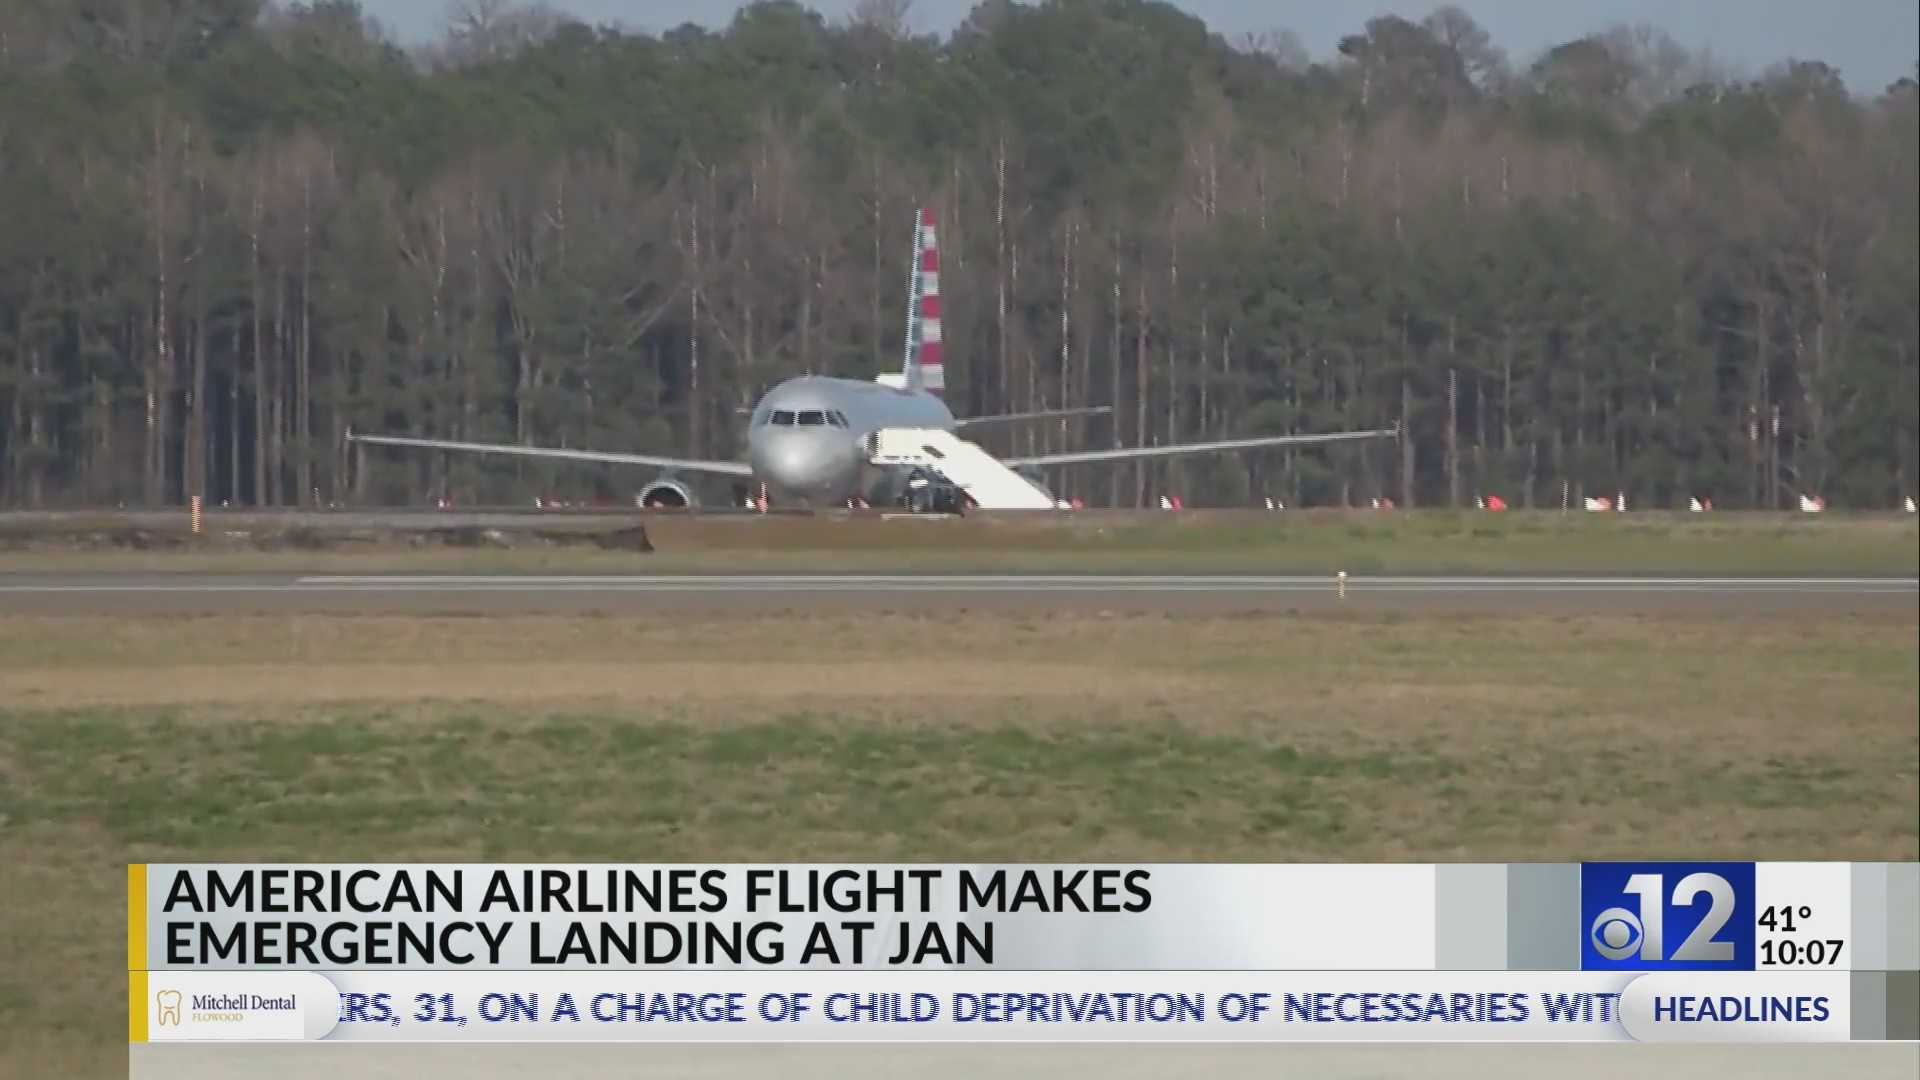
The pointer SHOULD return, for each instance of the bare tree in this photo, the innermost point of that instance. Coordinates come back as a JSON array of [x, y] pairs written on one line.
[[890, 18], [1661, 69], [1484, 62], [1282, 46], [483, 31]]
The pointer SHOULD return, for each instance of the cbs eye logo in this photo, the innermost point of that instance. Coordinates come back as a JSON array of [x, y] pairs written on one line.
[[1616, 933]]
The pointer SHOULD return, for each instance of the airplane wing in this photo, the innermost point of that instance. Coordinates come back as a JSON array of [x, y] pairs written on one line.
[[1128, 453], [726, 468], [1044, 414]]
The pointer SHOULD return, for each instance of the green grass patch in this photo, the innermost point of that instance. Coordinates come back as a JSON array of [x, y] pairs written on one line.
[[345, 782], [354, 782]]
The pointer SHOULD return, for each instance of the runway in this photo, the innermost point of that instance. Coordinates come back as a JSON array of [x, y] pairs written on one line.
[[638, 594]]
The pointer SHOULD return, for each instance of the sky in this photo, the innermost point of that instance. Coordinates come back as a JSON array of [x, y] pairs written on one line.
[[1872, 42]]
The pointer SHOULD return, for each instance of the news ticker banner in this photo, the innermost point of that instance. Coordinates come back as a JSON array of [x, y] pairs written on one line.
[[1597, 952]]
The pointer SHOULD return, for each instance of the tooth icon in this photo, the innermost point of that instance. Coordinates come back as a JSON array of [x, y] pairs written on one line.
[[169, 1001]]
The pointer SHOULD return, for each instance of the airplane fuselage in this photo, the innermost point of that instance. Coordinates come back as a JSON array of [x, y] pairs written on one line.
[[807, 438]]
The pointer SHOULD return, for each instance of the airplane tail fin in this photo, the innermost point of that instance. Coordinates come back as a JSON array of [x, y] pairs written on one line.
[[922, 367]]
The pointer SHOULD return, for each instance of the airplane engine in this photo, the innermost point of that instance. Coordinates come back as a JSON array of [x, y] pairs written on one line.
[[667, 493]]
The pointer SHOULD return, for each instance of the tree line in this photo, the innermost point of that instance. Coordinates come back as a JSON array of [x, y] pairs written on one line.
[[235, 232]]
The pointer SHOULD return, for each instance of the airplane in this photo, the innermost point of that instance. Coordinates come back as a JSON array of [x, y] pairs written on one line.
[[816, 441]]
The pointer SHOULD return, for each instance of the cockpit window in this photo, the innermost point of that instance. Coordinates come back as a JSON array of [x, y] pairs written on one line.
[[804, 418]]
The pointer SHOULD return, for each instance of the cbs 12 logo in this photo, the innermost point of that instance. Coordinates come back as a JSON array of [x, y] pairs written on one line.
[[1667, 916]]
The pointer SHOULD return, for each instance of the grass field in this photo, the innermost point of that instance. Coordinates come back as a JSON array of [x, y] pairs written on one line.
[[991, 736], [1425, 542]]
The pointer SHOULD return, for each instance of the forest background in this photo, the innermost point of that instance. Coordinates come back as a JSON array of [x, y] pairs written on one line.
[[231, 232]]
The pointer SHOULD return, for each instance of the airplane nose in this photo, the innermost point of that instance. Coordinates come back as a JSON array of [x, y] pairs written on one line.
[[797, 463], [794, 465]]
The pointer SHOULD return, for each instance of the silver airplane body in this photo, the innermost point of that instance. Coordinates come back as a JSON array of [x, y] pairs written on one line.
[[807, 441], [808, 438]]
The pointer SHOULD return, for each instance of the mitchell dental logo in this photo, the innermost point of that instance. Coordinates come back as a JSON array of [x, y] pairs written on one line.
[[218, 1008]]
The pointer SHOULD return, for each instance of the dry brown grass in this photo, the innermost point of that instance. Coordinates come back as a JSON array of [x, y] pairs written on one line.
[[780, 682], [1658, 676], [969, 737]]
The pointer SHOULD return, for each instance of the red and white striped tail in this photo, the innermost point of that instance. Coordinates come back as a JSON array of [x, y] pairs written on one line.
[[928, 355]]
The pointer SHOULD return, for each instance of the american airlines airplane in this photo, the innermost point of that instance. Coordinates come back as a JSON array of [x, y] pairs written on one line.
[[818, 441]]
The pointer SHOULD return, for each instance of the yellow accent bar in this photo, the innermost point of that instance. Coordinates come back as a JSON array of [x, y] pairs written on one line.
[[136, 1006], [136, 916], [136, 952]]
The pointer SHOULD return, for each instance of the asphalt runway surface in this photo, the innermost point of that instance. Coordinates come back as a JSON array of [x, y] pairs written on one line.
[[639, 594]]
